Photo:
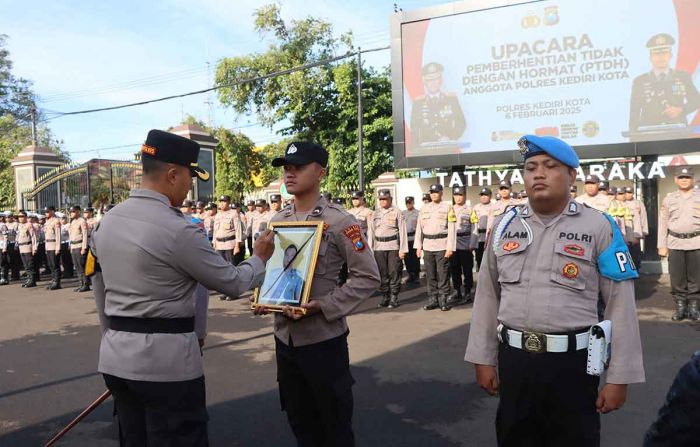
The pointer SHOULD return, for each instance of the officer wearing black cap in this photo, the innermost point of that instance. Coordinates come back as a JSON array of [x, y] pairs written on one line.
[[594, 197], [679, 239], [313, 370], [27, 244], [663, 95], [546, 264], [148, 259], [462, 262], [436, 242], [360, 211], [249, 216], [228, 234], [503, 201], [52, 234], [436, 116], [573, 190], [410, 214], [426, 198], [480, 218], [78, 233], [604, 187], [199, 210], [388, 239]]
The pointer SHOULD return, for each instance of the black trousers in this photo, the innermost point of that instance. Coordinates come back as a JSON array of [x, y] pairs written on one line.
[[227, 255], [5, 262], [240, 257], [437, 272], [78, 263], [66, 260], [546, 400], [15, 260], [684, 272], [315, 387], [39, 258], [389, 265], [411, 261], [479, 254], [54, 263], [636, 252], [28, 263], [461, 265], [160, 414], [249, 241]]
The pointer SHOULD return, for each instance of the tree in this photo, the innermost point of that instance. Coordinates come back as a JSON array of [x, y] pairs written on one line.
[[16, 102], [318, 103]]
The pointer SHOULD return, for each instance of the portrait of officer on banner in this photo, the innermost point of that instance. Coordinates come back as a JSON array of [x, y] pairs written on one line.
[[662, 98], [289, 271], [437, 120]]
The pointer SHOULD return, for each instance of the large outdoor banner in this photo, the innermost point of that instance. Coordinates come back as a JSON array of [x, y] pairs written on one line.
[[591, 72]]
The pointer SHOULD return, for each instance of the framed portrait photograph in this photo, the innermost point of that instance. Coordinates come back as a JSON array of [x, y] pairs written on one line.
[[290, 270]]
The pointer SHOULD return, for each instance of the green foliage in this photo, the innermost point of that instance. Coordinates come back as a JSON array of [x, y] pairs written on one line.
[[317, 103], [236, 161], [16, 97]]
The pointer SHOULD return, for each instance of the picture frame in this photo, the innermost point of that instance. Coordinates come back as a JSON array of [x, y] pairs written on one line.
[[289, 272]]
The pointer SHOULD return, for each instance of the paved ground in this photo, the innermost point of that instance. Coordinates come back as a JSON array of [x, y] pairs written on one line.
[[413, 389]]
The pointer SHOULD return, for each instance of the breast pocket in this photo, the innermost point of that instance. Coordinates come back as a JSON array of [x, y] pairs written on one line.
[[322, 260], [510, 263], [571, 264]]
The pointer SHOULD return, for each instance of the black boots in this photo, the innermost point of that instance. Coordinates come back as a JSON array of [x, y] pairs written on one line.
[[31, 280], [385, 300], [681, 310], [394, 301], [4, 277], [444, 305], [55, 285], [693, 310], [432, 303], [84, 285]]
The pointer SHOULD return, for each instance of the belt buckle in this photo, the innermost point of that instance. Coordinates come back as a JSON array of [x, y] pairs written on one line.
[[534, 342]]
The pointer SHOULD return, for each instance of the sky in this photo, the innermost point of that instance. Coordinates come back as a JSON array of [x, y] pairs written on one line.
[[90, 54]]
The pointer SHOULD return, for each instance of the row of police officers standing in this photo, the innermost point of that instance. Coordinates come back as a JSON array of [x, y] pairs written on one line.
[[28, 243]]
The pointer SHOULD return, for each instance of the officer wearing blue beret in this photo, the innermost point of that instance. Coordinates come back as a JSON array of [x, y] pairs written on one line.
[[546, 263]]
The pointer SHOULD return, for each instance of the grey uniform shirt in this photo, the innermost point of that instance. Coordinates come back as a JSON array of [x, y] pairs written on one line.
[[411, 217], [387, 223], [342, 241], [680, 213], [543, 277], [152, 258]]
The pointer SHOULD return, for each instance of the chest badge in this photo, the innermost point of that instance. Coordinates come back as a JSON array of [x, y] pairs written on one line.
[[511, 245], [570, 271]]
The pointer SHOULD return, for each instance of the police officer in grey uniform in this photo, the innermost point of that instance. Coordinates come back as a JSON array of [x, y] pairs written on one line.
[[313, 368], [663, 95], [410, 214], [151, 257], [387, 238], [546, 263], [679, 239], [462, 262]]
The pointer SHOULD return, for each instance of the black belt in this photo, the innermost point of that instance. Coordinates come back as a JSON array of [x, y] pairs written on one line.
[[465, 233], [24, 243], [411, 233], [50, 240], [684, 235], [387, 239], [152, 325], [225, 239], [79, 241], [435, 236], [481, 231]]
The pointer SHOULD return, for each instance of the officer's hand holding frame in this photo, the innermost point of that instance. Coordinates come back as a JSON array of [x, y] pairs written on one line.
[[290, 270]]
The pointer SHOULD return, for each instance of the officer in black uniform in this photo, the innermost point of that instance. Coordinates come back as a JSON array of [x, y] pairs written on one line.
[[663, 95], [436, 116]]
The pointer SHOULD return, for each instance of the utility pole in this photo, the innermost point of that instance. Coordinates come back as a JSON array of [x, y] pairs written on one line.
[[361, 162], [35, 138]]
